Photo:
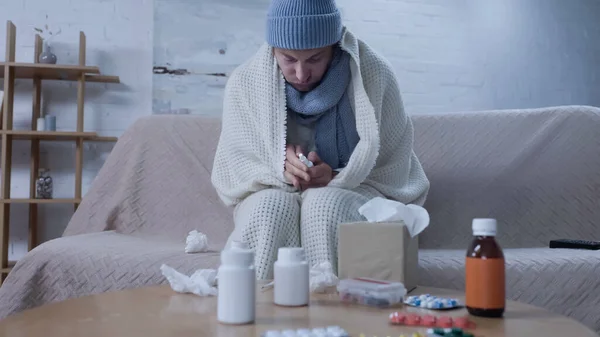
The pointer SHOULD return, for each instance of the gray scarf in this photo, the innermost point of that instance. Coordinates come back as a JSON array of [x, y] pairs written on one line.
[[329, 106]]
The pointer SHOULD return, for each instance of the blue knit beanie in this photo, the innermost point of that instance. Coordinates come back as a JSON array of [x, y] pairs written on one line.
[[303, 24]]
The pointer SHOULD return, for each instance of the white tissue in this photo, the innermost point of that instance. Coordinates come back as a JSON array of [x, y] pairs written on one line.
[[416, 218], [322, 277], [202, 282], [196, 242]]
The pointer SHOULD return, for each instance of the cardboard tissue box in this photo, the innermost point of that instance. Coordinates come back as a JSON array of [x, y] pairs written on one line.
[[384, 247], [383, 251]]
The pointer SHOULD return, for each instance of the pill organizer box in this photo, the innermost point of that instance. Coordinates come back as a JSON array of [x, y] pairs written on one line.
[[371, 292], [330, 331]]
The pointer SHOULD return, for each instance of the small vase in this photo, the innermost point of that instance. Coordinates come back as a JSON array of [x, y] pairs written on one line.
[[47, 57], [43, 185]]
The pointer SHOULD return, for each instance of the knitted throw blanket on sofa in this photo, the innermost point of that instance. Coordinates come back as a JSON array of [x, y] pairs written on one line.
[[250, 155]]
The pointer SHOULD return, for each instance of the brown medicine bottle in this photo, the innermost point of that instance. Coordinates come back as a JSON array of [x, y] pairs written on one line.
[[485, 272]]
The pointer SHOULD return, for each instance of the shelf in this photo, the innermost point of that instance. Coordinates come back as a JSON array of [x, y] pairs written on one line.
[[56, 135], [10, 266], [102, 139], [40, 201], [102, 79], [78, 72], [48, 71], [58, 72]]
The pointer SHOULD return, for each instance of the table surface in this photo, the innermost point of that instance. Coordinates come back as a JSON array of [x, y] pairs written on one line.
[[159, 311]]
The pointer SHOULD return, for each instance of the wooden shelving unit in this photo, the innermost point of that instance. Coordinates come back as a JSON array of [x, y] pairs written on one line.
[[10, 70]]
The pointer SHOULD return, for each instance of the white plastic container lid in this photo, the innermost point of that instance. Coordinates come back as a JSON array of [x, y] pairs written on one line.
[[290, 254], [239, 245], [237, 257], [484, 227]]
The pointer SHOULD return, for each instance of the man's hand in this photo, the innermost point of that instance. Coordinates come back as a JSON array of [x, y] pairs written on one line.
[[295, 171], [320, 174]]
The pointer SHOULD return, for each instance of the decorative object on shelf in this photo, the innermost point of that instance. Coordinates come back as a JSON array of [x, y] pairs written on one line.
[[41, 124], [43, 184], [47, 56], [50, 123]]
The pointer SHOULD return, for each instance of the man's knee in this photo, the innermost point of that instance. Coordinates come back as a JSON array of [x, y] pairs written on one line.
[[268, 202], [330, 203]]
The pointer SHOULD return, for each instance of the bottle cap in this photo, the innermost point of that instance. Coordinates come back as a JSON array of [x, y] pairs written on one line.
[[237, 257], [484, 227], [239, 245], [290, 254]]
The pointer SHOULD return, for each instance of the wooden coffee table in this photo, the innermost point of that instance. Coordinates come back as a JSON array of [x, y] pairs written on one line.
[[159, 311]]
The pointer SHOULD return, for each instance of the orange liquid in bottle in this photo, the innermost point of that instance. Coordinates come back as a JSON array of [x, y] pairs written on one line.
[[485, 288]]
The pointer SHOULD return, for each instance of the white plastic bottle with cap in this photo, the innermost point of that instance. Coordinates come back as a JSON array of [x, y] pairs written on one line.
[[291, 277], [235, 244], [236, 300]]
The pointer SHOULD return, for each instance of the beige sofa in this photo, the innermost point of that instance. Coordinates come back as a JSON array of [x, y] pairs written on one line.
[[536, 171]]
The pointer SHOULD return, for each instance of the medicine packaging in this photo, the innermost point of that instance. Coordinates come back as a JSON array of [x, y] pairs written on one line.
[[371, 292], [330, 331], [432, 302]]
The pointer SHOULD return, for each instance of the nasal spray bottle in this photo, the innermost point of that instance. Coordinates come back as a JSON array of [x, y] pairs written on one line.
[[236, 302], [291, 277]]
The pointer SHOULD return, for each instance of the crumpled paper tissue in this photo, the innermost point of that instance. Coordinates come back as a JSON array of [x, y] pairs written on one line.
[[416, 218], [321, 278], [202, 282], [196, 242]]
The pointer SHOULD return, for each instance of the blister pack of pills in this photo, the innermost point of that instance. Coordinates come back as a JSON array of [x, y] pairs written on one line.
[[414, 334], [330, 331], [401, 318], [448, 332], [432, 302]]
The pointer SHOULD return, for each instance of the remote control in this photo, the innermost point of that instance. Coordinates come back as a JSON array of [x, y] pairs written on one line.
[[575, 244]]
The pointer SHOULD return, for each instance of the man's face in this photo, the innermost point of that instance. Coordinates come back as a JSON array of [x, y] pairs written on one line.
[[303, 69]]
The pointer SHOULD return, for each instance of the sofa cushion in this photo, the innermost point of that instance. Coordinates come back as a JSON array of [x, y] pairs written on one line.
[[93, 263], [565, 281]]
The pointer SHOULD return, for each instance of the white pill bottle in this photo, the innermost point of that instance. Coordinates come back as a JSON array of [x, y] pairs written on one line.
[[236, 244], [236, 300], [291, 277]]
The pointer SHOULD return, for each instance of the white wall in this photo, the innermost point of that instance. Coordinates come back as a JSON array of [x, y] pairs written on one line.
[[448, 55], [119, 41]]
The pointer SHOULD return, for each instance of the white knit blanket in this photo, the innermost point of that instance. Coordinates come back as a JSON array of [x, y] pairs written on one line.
[[251, 152]]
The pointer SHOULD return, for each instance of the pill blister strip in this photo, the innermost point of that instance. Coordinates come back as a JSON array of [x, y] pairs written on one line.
[[330, 331], [399, 318], [432, 302]]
